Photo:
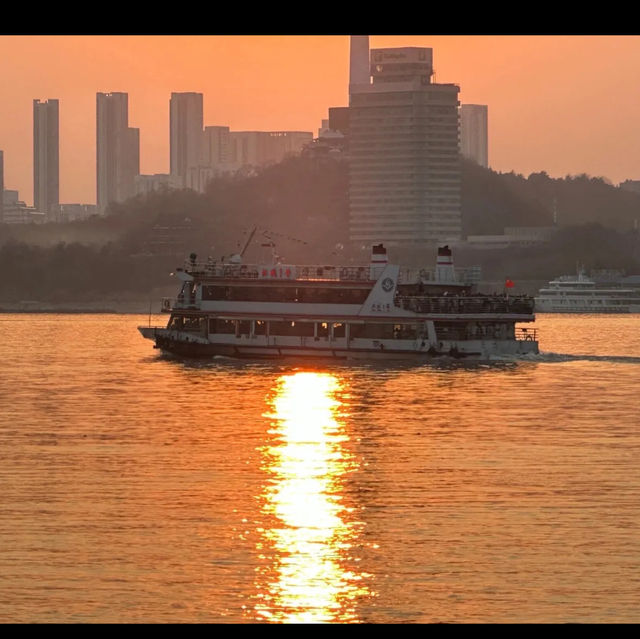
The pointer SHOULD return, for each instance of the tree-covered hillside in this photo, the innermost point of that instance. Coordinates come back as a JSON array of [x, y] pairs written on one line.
[[302, 205]]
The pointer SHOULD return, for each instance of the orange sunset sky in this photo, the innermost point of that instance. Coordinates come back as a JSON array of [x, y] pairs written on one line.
[[562, 104]]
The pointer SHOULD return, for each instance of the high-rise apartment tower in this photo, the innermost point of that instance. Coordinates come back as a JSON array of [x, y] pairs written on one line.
[[117, 148], [185, 133], [46, 157]]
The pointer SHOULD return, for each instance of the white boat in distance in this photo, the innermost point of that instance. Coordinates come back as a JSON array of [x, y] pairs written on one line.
[[581, 294], [377, 311]]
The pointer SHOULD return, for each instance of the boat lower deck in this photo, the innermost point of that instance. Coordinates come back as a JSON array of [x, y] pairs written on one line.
[[190, 345]]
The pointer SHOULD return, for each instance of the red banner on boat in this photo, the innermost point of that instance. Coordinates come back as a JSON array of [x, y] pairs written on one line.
[[509, 284]]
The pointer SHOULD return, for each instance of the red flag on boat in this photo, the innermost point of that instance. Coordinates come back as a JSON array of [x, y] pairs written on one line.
[[509, 284]]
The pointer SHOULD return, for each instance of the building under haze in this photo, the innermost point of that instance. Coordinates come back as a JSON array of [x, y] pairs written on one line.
[[260, 148], [215, 146], [73, 212], [185, 133], [15, 211], [474, 141], [144, 184], [46, 157], [215, 158], [404, 158], [117, 149]]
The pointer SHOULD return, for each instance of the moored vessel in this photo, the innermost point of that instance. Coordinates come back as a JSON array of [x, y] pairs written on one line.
[[581, 294], [377, 311]]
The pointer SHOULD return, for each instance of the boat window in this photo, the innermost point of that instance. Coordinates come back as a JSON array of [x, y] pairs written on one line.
[[474, 330], [222, 326], [269, 293], [323, 329], [260, 327], [332, 295], [291, 328], [214, 292], [193, 324], [339, 330], [244, 327], [405, 331], [457, 330], [372, 331]]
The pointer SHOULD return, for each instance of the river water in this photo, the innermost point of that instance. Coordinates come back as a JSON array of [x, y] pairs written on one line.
[[140, 488]]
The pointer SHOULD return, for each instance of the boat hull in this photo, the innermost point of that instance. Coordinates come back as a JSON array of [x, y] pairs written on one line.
[[406, 350]]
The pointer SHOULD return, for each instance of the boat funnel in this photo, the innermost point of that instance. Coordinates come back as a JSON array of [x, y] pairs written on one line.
[[379, 260], [445, 271]]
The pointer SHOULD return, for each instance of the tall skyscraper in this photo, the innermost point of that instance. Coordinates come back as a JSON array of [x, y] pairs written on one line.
[[46, 157], [358, 63], [118, 149], [473, 133], [404, 164], [186, 133]]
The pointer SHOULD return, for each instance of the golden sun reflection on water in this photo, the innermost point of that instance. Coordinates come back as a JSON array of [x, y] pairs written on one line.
[[307, 574]]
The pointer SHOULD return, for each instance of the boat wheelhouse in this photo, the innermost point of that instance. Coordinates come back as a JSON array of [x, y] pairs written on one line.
[[377, 311]]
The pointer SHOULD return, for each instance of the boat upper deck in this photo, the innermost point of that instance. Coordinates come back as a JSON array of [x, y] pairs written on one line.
[[320, 273]]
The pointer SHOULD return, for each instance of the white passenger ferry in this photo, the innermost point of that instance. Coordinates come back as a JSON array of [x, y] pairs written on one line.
[[377, 311], [580, 294]]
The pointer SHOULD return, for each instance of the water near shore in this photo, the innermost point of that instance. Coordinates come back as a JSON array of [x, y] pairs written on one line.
[[139, 488]]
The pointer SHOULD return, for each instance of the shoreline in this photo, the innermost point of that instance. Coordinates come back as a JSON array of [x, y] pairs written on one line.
[[78, 309]]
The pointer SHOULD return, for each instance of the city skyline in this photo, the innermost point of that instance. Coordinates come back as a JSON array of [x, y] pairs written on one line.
[[562, 104]]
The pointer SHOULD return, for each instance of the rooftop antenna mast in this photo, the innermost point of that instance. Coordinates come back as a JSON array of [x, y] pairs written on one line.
[[268, 235], [246, 244]]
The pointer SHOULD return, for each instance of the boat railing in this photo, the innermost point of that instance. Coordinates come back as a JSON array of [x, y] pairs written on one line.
[[429, 275], [526, 334], [461, 304], [317, 272], [321, 272]]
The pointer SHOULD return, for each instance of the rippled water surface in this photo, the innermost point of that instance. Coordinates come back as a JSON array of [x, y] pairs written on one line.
[[139, 488]]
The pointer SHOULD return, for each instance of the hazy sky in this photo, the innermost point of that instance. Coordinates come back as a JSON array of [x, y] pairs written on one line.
[[563, 104]]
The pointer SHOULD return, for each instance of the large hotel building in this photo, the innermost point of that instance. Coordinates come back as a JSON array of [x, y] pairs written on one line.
[[404, 158]]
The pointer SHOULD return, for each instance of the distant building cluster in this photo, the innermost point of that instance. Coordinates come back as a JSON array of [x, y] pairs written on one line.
[[200, 153], [513, 236], [197, 154]]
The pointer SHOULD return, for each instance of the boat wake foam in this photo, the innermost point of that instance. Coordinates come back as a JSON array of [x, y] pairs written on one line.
[[547, 357]]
